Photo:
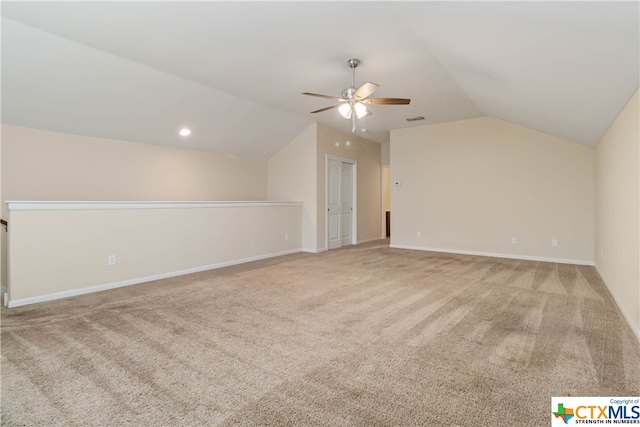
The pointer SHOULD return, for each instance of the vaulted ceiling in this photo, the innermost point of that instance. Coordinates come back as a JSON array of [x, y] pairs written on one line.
[[234, 72]]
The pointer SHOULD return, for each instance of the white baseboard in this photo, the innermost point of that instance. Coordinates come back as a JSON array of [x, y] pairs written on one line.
[[495, 255], [98, 288], [370, 240], [635, 329], [3, 292], [317, 251], [314, 251]]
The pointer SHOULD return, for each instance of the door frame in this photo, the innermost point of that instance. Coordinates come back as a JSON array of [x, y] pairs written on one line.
[[354, 201]]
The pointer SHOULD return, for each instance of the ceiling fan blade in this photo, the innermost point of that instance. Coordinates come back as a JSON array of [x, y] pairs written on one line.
[[365, 90], [324, 96], [386, 101], [326, 108]]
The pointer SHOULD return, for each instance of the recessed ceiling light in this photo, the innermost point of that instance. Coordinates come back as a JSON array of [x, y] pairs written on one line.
[[185, 132]]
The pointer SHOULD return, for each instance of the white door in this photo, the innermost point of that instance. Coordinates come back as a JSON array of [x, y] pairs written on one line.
[[334, 208], [346, 200]]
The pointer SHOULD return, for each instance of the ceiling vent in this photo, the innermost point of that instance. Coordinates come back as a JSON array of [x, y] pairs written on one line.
[[414, 119]]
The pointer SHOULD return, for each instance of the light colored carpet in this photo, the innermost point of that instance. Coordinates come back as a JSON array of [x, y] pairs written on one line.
[[365, 335]]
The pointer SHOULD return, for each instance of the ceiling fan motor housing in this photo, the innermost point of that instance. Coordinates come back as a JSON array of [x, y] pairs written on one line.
[[348, 92]]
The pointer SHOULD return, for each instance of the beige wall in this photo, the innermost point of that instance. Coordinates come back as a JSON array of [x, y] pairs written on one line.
[[385, 154], [617, 226], [385, 160], [367, 155], [71, 247], [44, 165], [474, 184], [386, 187], [298, 172], [3, 235], [292, 175]]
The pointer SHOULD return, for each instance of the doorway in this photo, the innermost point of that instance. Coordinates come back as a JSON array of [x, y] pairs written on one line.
[[341, 190]]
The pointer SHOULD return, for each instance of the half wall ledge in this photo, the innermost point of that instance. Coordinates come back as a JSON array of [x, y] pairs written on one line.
[[58, 249], [20, 205]]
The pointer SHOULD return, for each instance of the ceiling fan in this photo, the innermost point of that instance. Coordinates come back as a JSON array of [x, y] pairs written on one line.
[[354, 101]]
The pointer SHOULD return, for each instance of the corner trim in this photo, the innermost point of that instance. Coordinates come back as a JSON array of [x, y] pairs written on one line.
[[496, 255], [635, 329], [114, 285]]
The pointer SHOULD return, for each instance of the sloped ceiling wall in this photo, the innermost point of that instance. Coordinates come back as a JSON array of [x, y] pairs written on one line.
[[234, 71]]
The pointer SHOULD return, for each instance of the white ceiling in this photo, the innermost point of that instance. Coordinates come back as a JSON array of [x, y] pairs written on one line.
[[234, 71]]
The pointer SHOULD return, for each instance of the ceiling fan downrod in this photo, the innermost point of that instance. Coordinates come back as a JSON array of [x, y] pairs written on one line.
[[353, 63]]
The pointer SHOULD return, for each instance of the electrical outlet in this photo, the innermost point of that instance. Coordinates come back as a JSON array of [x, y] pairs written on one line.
[[554, 242], [111, 260], [514, 240], [418, 233], [286, 236]]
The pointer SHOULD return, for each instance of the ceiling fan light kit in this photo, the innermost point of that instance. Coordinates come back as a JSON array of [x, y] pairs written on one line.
[[347, 109], [353, 103]]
